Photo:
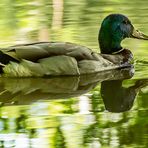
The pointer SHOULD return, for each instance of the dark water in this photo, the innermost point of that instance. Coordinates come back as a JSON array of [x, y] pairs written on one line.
[[107, 110]]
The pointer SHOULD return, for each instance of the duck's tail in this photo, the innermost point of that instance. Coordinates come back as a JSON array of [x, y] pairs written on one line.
[[5, 59]]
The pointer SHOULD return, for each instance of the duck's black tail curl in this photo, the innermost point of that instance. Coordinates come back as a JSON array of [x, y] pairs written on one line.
[[5, 59]]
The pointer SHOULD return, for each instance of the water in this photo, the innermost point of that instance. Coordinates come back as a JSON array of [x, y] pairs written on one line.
[[105, 110]]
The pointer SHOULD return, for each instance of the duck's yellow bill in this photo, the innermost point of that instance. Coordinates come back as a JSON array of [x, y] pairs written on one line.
[[139, 35]]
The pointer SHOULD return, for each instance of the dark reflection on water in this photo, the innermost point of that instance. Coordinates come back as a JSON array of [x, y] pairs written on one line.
[[26, 90], [118, 98], [107, 110]]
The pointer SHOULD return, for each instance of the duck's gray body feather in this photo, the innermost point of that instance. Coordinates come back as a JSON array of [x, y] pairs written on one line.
[[57, 58]]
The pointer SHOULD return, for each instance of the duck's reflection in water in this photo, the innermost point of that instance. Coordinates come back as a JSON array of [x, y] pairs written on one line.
[[27, 90], [118, 98]]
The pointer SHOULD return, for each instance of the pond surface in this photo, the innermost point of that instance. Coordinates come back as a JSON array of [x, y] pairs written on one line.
[[104, 110]]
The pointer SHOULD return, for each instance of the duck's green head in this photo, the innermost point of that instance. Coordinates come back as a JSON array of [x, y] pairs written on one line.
[[114, 29]]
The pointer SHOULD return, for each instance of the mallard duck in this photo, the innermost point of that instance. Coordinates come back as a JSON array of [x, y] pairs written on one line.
[[64, 58]]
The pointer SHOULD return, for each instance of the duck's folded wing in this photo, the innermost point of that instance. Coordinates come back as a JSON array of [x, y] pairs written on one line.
[[36, 51]]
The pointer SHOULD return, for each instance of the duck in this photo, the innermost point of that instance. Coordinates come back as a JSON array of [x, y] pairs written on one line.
[[41, 59]]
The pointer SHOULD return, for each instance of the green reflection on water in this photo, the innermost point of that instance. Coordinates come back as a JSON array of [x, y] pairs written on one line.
[[37, 116], [40, 123]]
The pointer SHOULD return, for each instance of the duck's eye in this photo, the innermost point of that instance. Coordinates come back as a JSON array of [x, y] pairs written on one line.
[[125, 22]]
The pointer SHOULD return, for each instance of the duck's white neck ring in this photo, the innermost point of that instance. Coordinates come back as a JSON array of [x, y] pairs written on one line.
[[118, 51]]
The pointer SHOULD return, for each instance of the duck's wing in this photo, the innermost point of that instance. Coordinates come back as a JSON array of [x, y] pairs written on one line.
[[36, 51], [39, 50]]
